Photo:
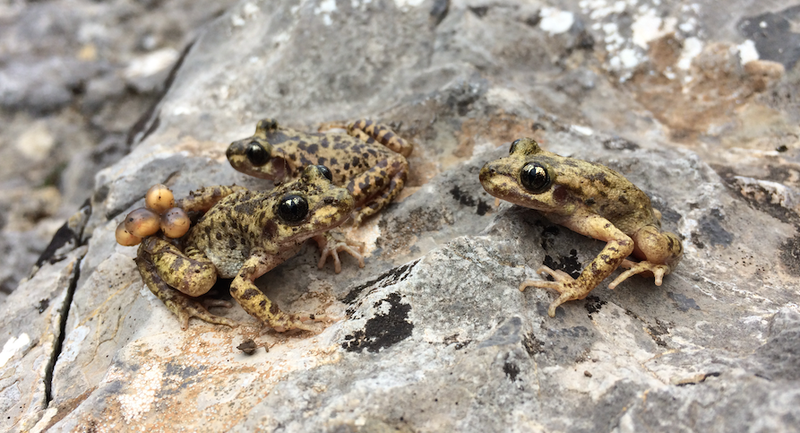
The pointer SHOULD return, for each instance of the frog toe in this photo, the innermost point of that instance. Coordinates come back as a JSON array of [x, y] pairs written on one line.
[[657, 270], [290, 322], [557, 274], [564, 284], [189, 308], [331, 244]]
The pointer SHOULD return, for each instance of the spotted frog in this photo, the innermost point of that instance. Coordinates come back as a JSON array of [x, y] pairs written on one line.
[[592, 200], [242, 235], [368, 159]]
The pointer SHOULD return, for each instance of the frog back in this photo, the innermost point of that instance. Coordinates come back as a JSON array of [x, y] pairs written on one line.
[[602, 191]]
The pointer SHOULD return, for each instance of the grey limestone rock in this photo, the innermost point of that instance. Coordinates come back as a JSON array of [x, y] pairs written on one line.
[[433, 334]]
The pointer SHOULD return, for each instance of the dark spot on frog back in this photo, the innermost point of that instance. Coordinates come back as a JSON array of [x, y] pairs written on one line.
[[599, 177]]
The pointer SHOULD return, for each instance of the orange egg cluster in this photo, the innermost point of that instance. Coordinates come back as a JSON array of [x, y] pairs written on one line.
[[159, 213]]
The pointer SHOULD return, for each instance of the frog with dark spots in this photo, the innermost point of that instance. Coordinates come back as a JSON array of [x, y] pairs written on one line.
[[368, 159], [592, 200], [242, 235]]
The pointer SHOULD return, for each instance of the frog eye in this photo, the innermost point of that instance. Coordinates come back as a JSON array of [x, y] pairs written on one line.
[[292, 208], [534, 177], [325, 172], [256, 154], [514, 146]]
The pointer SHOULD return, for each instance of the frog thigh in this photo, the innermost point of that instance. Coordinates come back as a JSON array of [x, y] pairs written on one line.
[[191, 273], [180, 304], [657, 246], [370, 191]]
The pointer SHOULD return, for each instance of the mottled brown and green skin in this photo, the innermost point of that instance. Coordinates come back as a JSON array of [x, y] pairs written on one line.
[[369, 160], [241, 236], [592, 200]]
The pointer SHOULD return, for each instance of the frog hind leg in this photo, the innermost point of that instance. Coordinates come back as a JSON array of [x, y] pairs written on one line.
[[333, 242], [183, 306], [661, 252], [366, 129], [255, 303], [618, 246], [370, 189]]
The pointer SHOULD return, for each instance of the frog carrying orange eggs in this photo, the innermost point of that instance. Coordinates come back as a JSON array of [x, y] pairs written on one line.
[[241, 234], [159, 213]]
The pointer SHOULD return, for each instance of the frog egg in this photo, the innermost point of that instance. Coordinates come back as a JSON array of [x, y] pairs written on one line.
[[175, 223], [142, 222], [126, 238], [159, 198]]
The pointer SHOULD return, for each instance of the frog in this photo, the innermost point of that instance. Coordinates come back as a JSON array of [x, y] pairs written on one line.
[[369, 159], [242, 235], [590, 199]]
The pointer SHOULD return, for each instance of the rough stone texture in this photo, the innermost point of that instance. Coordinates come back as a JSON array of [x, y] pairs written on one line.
[[74, 79], [433, 335]]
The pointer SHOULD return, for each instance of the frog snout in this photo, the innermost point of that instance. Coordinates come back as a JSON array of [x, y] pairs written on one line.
[[486, 173], [236, 148]]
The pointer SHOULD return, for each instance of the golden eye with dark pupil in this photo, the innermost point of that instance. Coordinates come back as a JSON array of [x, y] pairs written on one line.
[[256, 154], [513, 146], [534, 177], [325, 172], [292, 208]]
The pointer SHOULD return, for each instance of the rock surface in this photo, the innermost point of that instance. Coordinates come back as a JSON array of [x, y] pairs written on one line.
[[74, 79], [433, 334]]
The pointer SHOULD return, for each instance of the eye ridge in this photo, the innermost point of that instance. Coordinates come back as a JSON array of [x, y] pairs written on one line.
[[535, 177], [293, 208], [257, 154]]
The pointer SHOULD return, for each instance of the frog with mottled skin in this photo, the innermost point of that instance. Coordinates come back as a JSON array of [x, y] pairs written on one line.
[[369, 160], [242, 235], [592, 200]]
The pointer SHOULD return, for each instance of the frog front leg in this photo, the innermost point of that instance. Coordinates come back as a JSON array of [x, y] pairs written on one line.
[[164, 268], [660, 252], [617, 248], [244, 290], [377, 187]]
